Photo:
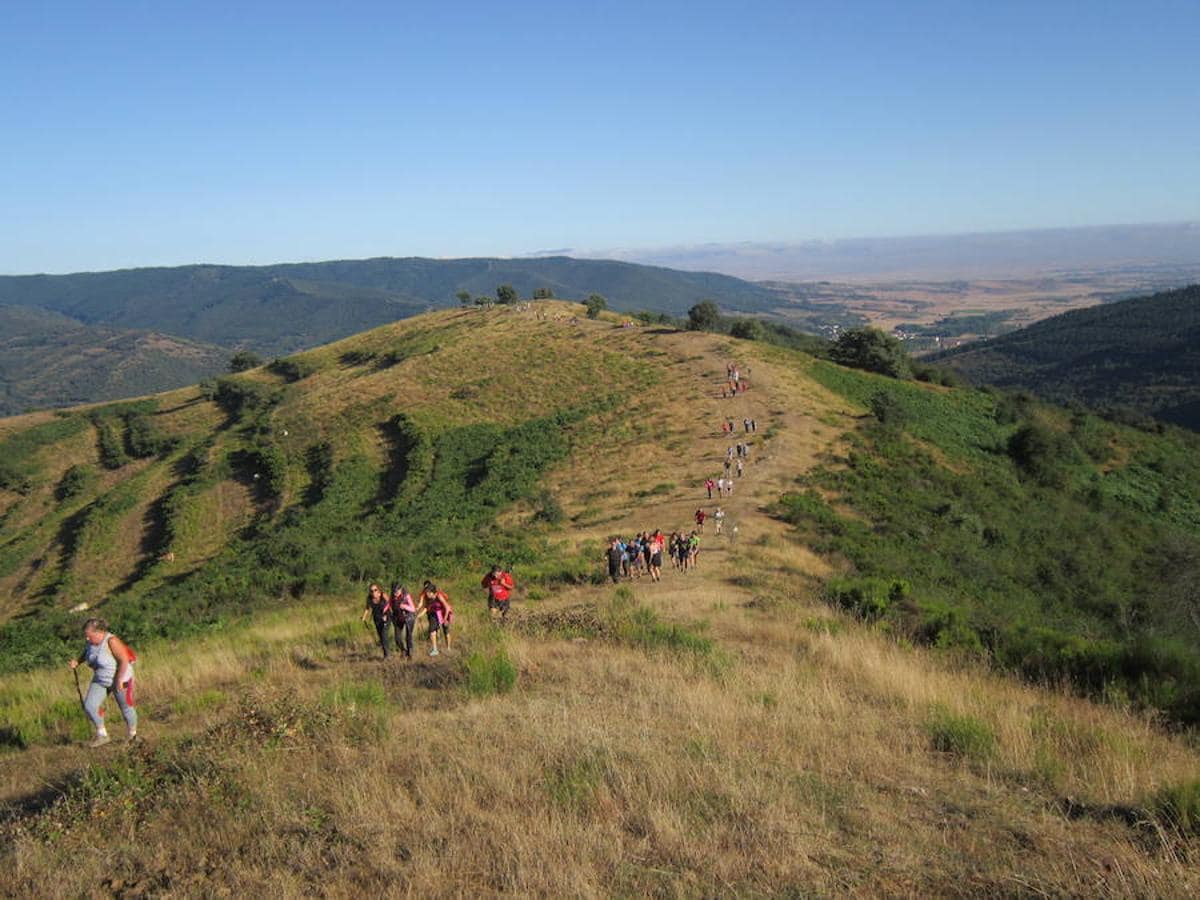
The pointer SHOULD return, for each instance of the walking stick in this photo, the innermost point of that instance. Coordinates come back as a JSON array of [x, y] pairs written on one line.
[[78, 689]]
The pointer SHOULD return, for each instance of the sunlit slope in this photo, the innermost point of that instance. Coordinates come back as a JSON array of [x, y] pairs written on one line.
[[723, 731], [223, 497]]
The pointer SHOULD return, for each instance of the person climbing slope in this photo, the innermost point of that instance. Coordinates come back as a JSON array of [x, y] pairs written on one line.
[[111, 661], [439, 612], [499, 585], [404, 618], [379, 608]]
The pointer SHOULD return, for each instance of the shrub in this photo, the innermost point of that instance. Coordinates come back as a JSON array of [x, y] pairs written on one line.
[[1178, 806], [109, 444], [244, 360], [961, 735], [238, 396], [294, 368], [748, 329], [490, 673], [1041, 452], [74, 482], [888, 409]]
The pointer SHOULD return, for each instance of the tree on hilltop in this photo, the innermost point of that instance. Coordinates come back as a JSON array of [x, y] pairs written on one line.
[[464, 297], [704, 316], [595, 304], [507, 295], [543, 294], [244, 360]]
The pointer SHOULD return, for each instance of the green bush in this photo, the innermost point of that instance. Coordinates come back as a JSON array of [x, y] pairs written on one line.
[[490, 672], [75, 481], [294, 368], [961, 735], [1178, 807], [872, 350], [109, 444]]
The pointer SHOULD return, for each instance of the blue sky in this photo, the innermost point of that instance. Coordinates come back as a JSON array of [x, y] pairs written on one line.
[[146, 133]]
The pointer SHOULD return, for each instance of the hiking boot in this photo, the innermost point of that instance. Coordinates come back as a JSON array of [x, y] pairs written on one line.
[[433, 652], [133, 737], [99, 740]]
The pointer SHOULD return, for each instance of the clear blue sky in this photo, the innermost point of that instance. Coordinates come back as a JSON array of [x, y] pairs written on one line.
[[140, 133]]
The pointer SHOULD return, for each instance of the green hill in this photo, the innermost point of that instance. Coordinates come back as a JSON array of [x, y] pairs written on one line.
[[47, 359], [282, 308], [100, 324], [1141, 355], [825, 703]]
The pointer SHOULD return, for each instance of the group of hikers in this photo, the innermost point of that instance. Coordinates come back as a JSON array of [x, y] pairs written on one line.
[[396, 611], [643, 553]]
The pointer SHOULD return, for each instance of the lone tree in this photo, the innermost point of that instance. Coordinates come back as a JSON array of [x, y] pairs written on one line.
[[595, 305], [243, 360], [543, 294], [704, 316], [506, 295], [872, 350], [464, 297]]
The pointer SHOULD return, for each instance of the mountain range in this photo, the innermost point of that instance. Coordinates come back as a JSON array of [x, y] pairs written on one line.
[[202, 313]]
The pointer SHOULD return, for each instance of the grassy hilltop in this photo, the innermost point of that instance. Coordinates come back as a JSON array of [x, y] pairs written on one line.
[[826, 705]]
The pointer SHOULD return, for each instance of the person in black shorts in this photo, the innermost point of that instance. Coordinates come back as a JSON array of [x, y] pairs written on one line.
[[615, 555]]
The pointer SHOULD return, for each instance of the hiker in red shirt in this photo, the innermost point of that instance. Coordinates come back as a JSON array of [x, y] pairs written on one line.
[[701, 515], [499, 585]]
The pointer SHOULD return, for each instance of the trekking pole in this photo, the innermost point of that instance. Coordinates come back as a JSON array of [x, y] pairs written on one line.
[[78, 689]]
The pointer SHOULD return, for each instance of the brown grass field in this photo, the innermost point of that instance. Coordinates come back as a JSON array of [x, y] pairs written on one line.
[[766, 747]]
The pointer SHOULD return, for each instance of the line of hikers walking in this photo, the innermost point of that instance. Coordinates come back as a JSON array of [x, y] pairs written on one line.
[[396, 611]]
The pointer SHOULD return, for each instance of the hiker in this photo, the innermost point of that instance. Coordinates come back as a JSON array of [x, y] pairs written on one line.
[[709, 484], [647, 553], [746, 425], [656, 551], [615, 554], [753, 427], [404, 618], [379, 608], [499, 585], [720, 487], [111, 661], [633, 556], [693, 549], [719, 518], [679, 550], [438, 611], [740, 468], [700, 516]]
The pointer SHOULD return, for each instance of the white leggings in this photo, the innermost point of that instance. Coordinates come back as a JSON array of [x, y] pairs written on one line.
[[93, 704]]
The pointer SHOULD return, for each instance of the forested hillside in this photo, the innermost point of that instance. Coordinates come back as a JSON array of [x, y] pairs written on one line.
[[47, 359], [1140, 356], [282, 308]]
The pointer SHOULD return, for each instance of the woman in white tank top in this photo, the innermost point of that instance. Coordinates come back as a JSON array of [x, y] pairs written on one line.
[[112, 664]]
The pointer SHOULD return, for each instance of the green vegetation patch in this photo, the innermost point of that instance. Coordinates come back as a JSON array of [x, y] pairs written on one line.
[[1028, 552]]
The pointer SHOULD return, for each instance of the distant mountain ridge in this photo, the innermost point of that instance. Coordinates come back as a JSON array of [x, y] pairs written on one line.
[[1142, 354], [291, 306], [209, 311]]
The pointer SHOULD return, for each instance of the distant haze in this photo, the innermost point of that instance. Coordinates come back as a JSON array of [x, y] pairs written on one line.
[[1005, 254]]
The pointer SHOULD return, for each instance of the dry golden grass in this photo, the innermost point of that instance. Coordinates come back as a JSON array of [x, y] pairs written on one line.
[[795, 757]]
